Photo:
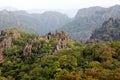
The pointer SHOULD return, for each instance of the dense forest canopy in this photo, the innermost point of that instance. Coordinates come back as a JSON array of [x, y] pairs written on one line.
[[52, 46], [25, 56]]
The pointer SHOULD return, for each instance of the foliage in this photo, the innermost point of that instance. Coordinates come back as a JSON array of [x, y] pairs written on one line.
[[99, 61], [88, 19]]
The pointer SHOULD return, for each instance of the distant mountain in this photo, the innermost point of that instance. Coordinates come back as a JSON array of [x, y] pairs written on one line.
[[52, 20], [110, 31], [70, 12], [88, 19], [39, 23]]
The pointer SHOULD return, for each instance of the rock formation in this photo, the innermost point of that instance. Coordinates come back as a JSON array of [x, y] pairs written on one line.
[[11, 32], [6, 40], [16, 34], [49, 36], [62, 35], [5, 32], [6, 43], [27, 50], [110, 31], [1, 56], [63, 38]]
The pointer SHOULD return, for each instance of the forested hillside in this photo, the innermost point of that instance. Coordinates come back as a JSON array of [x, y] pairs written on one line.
[[88, 19], [110, 31], [26, 56], [80, 27], [38, 23]]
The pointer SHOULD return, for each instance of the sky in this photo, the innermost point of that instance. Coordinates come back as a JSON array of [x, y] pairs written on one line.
[[56, 4]]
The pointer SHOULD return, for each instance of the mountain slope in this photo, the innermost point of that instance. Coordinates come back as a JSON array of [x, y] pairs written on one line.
[[26, 56], [110, 31], [88, 19], [39, 23], [52, 20]]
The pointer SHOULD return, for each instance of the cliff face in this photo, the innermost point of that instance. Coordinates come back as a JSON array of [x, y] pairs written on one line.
[[88, 19], [63, 38], [110, 31]]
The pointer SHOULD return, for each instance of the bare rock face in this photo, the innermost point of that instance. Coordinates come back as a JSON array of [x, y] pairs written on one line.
[[6, 40], [61, 44], [62, 35], [49, 36], [63, 38], [7, 36], [5, 32], [11, 32], [27, 50], [110, 31], [16, 34], [1, 56], [6, 43]]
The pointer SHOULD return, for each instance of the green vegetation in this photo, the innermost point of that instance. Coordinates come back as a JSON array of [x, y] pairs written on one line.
[[77, 62], [38, 23], [88, 19], [110, 31]]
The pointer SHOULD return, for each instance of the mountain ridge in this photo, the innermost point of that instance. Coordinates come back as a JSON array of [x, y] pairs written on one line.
[[31, 23], [86, 20], [110, 31]]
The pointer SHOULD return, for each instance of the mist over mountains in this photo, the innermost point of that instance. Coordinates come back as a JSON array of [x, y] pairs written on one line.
[[91, 52], [88, 19], [39, 23], [79, 27]]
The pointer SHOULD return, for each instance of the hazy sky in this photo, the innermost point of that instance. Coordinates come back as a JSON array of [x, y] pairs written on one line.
[[69, 7], [56, 4]]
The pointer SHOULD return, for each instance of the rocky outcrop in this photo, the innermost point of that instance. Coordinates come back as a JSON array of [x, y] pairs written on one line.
[[11, 32], [16, 34], [62, 35], [6, 43], [61, 42], [1, 56], [6, 40], [110, 31], [6, 37], [27, 50], [63, 38], [28, 47], [49, 36], [5, 32]]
